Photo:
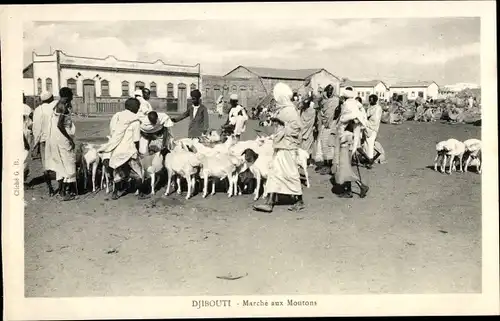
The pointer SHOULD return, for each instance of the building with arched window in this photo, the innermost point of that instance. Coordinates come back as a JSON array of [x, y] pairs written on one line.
[[109, 80]]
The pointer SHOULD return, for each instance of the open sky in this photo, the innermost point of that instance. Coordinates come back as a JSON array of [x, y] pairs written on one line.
[[445, 50]]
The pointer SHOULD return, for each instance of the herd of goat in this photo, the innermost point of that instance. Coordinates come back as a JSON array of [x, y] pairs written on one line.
[[453, 151], [207, 156], [214, 160]]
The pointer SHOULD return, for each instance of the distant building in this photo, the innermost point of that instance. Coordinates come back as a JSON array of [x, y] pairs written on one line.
[[423, 89], [367, 88], [101, 84], [249, 91], [296, 79], [452, 90]]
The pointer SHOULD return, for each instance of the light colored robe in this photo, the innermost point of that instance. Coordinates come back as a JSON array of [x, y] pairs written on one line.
[[58, 156], [125, 131], [238, 121]]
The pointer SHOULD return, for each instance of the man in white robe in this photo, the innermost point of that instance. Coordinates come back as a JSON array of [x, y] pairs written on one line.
[[122, 146], [374, 116], [237, 116], [41, 122]]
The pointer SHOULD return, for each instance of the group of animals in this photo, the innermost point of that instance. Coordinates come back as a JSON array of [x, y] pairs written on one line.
[[207, 158], [453, 151]]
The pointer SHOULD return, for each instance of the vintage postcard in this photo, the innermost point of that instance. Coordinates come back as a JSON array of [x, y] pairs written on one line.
[[249, 159]]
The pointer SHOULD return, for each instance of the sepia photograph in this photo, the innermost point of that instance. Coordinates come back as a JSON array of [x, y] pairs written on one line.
[[251, 162]]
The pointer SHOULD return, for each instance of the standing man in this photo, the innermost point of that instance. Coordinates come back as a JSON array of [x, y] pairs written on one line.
[[237, 116], [220, 106], [27, 133], [41, 121], [143, 95], [154, 126], [374, 116], [326, 114], [60, 155], [471, 102], [308, 118], [198, 116]]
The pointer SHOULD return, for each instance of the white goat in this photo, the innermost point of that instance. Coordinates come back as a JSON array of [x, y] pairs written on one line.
[[94, 159], [449, 148], [259, 165], [221, 166], [473, 151], [151, 165], [181, 163]]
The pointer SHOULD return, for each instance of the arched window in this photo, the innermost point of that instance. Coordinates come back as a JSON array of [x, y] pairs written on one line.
[[48, 85], [207, 91], [39, 86], [152, 88], [125, 89], [105, 88], [71, 83], [234, 89], [192, 87], [139, 85], [170, 90]]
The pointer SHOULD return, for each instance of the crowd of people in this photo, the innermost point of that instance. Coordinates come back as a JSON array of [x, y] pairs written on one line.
[[336, 125]]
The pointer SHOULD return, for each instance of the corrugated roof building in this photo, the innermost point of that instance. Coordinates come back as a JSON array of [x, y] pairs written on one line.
[[297, 79]]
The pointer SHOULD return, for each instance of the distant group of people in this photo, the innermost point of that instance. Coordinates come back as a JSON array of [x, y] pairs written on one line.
[[341, 126]]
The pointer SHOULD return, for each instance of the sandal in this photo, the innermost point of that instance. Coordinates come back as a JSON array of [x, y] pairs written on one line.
[[299, 206], [263, 208]]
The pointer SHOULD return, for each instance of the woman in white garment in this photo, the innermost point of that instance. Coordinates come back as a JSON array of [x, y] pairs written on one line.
[[349, 125], [220, 106], [60, 154], [284, 176]]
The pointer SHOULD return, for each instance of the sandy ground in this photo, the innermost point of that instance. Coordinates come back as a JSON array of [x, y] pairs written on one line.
[[418, 231]]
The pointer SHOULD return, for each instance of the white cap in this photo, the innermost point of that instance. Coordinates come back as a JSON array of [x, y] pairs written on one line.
[[138, 92], [233, 97], [45, 95]]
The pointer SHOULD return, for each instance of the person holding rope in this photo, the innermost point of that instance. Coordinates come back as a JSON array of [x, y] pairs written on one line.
[[349, 125]]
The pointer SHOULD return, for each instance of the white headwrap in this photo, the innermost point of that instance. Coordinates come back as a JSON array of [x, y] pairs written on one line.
[[282, 95], [349, 93]]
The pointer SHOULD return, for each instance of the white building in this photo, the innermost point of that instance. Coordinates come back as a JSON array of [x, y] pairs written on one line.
[[424, 89], [367, 88], [452, 90], [96, 80]]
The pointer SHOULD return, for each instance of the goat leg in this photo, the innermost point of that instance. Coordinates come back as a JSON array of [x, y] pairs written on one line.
[[188, 180], [257, 186], [436, 162], [452, 158], [94, 172], [205, 184], [169, 182], [443, 164], [153, 184], [179, 185]]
